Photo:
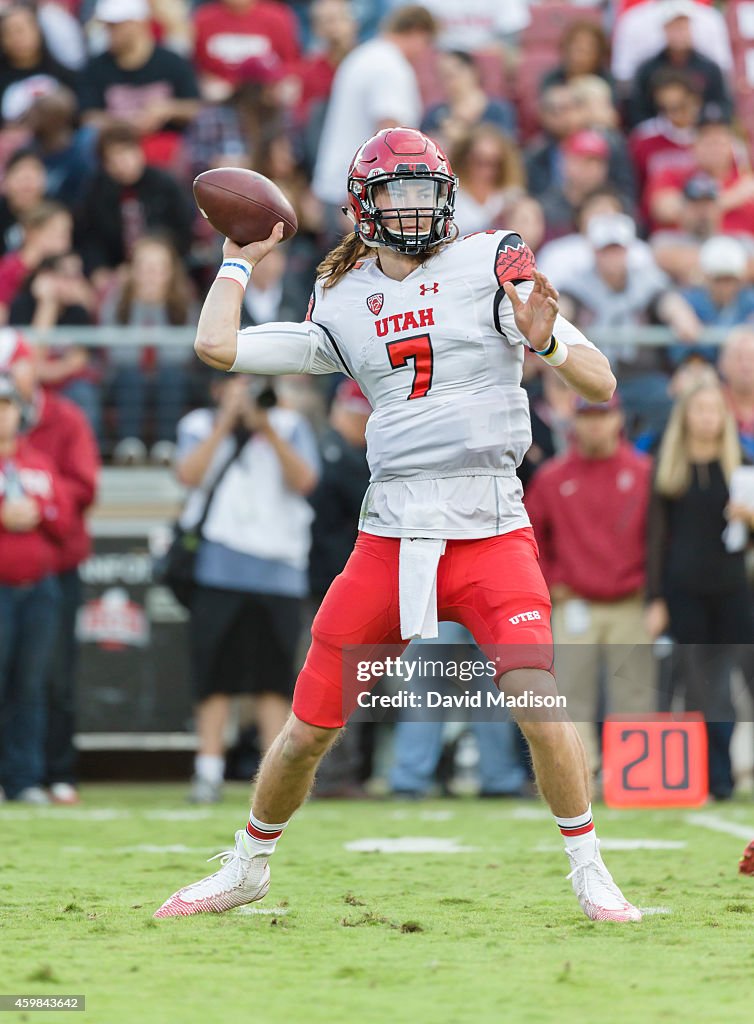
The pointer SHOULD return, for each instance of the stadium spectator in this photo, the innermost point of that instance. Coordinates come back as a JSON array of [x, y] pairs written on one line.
[[375, 87], [154, 291], [126, 199], [616, 293], [277, 158], [334, 30], [720, 156], [687, 374], [584, 50], [23, 188], [252, 562], [679, 53], [47, 233], [59, 294], [596, 111], [136, 80], [558, 117], [418, 742], [263, 100], [490, 177], [58, 429], [724, 298], [736, 364], [215, 138], [589, 512], [618, 290], [478, 25], [666, 140], [466, 104], [698, 592], [229, 32], [27, 69], [564, 258], [34, 518], [639, 34], [337, 502], [594, 101], [585, 162], [68, 152], [677, 250]]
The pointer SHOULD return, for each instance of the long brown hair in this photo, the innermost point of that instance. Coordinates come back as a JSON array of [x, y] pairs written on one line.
[[349, 251], [341, 259], [178, 296], [673, 476]]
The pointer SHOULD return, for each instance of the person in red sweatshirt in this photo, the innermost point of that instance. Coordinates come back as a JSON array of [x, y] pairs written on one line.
[[35, 516], [588, 508], [60, 430], [229, 32]]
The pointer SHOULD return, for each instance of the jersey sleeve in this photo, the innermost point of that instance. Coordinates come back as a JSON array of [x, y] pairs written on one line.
[[514, 260], [286, 348]]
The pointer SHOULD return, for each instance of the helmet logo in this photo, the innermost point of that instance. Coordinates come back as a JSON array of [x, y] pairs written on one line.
[[375, 302]]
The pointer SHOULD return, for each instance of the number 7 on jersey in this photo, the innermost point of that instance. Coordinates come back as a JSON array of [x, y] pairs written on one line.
[[419, 348]]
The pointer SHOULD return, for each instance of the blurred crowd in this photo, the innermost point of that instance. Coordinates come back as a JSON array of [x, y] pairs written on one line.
[[613, 136]]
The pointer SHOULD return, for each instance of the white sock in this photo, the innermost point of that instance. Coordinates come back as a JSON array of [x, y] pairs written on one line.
[[261, 836], [578, 832], [210, 767]]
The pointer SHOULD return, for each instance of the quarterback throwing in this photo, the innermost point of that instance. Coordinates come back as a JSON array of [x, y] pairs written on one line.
[[433, 328]]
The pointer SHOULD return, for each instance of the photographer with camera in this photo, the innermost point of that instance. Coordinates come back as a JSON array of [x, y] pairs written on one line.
[[250, 464]]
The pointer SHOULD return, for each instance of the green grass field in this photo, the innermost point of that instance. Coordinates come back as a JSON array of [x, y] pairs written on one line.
[[491, 934]]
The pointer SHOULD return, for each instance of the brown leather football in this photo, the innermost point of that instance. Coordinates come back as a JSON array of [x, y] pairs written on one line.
[[243, 205]]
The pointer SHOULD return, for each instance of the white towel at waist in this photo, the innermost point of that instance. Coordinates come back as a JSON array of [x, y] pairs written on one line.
[[417, 585]]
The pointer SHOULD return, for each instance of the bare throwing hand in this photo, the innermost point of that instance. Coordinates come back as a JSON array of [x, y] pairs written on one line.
[[254, 251], [535, 318]]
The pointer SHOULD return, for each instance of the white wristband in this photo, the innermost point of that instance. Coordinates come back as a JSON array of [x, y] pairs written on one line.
[[555, 354], [236, 269]]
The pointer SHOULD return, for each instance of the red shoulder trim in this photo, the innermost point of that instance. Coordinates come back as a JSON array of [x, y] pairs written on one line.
[[514, 260]]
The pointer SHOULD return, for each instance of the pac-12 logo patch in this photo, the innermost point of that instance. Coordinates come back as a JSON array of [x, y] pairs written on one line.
[[375, 302]]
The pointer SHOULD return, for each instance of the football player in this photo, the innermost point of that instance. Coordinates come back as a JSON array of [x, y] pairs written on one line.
[[433, 328]]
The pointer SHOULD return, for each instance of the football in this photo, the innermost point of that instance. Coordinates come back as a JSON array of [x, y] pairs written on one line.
[[243, 205]]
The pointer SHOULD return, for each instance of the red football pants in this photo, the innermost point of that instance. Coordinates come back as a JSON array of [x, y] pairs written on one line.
[[493, 586]]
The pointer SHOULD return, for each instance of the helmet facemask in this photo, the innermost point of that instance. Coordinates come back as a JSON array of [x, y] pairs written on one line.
[[408, 210]]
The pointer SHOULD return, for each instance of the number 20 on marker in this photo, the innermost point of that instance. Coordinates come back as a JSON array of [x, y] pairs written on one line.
[[658, 761]]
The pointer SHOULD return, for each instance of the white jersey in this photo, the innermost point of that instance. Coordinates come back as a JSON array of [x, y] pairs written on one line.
[[439, 357]]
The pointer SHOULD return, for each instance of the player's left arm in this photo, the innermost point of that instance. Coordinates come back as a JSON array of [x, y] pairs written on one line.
[[558, 342]]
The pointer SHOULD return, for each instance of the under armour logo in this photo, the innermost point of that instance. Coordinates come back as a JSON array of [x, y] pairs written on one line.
[[434, 288]]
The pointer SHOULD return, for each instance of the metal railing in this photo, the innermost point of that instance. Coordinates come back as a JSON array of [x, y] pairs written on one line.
[[183, 337]]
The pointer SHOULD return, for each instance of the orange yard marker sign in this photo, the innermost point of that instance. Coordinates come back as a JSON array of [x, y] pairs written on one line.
[[655, 761]]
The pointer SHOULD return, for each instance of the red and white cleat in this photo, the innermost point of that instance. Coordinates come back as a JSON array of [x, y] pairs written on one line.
[[64, 793], [241, 879], [746, 864], [599, 896]]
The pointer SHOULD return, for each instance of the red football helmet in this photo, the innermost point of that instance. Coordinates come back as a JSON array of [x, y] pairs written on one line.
[[402, 191]]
